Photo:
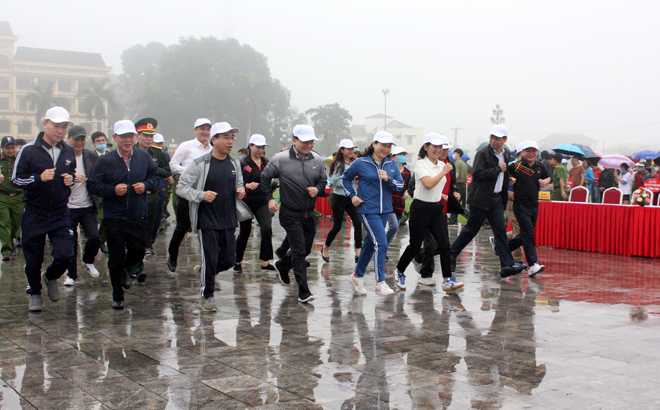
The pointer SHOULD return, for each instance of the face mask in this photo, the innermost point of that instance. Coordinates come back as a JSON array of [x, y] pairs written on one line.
[[401, 159], [102, 147], [240, 158]]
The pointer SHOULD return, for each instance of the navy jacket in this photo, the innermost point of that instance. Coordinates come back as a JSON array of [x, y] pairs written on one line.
[[44, 198], [111, 170]]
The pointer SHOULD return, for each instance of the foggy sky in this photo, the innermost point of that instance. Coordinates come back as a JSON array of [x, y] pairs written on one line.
[[587, 67]]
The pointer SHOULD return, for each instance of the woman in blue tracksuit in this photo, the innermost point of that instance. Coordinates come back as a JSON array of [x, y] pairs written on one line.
[[378, 176]]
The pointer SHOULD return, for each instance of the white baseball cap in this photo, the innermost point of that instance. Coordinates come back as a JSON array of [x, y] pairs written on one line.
[[346, 143], [202, 121], [398, 150], [258, 140], [384, 137], [159, 138], [527, 144], [125, 127], [499, 131], [304, 133], [57, 115], [434, 138], [221, 128]]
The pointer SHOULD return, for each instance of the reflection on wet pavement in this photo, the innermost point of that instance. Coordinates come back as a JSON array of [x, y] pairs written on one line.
[[581, 336]]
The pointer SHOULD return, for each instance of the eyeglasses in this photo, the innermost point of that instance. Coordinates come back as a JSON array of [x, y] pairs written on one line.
[[228, 138]]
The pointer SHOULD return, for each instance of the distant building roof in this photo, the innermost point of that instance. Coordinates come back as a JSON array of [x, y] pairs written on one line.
[[5, 29], [358, 129], [379, 116], [397, 124], [40, 55]]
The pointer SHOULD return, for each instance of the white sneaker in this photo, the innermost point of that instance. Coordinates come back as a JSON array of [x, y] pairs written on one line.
[[383, 290], [400, 279], [358, 284], [69, 282], [535, 269], [426, 281], [91, 269]]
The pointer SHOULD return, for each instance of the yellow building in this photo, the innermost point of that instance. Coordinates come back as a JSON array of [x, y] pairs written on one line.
[[23, 67]]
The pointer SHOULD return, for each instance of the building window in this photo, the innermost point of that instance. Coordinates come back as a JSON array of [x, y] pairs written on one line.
[[4, 83], [23, 83], [64, 86], [410, 139], [4, 103], [5, 126], [24, 127], [83, 85], [43, 83], [23, 104]]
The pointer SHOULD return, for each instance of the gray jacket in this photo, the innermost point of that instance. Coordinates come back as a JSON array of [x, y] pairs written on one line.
[[295, 175], [192, 181], [337, 186]]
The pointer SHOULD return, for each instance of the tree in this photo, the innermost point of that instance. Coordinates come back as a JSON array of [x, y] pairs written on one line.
[[140, 66], [331, 123], [94, 97], [41, 99]]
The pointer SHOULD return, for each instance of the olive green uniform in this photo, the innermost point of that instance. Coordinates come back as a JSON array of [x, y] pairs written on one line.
[[11, 207]]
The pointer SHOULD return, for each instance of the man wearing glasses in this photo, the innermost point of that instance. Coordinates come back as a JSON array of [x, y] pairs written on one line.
[[302, 176], [211, 184], [122, 179]]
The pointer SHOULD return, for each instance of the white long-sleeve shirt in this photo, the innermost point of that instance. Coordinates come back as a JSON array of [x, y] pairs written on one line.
[[186, 153]]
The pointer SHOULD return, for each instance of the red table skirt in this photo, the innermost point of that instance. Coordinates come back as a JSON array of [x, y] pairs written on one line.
[[626, 230], [322, 204]]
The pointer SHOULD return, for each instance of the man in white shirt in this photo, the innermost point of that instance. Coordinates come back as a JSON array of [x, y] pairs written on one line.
[[83, 207], [625, 180], [186, 153]]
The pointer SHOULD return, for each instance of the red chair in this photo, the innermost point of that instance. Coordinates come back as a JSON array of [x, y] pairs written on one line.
[[579, 194], [612, 196]]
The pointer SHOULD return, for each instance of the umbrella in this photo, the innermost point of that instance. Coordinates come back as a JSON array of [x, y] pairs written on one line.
[[646, 154], [487, 143], [465, 157], [615, 161], [568, 149], [588, 152]]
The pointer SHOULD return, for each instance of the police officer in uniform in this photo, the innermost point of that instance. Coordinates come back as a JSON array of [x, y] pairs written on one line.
[[11, 200]]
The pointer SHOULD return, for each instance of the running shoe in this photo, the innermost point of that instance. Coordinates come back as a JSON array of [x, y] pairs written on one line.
[[358, 284], [451, 284], [399, 279], [383, 290]]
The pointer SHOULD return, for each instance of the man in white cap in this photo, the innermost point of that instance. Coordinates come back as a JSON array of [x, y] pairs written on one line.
[[184, 155], [45, 169], [211, 184], [302, 176], [488, 199], [122, 179], [528, 176]]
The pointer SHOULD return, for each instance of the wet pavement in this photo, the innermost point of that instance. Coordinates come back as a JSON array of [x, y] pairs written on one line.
[[584, 335]]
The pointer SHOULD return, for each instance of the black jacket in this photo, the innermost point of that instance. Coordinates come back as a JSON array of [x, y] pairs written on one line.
[[44, 198], [110, 170], [252, 173], [89, 160], [485, 171]]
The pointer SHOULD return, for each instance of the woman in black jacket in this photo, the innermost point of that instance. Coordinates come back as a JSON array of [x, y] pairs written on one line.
[[256, 199]]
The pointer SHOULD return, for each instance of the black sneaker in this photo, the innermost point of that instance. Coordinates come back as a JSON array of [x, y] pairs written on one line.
[[141, 276], [305, 299], [171, 264], [452, 261], [510, 271], [268, 267], [118, 304], [238, 267], [284, 276], [104, 248], [126, 282]]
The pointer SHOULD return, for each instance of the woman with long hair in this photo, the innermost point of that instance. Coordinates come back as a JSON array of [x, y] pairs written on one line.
[[340, 202], [428, 211], [378, 176], [256, 199]]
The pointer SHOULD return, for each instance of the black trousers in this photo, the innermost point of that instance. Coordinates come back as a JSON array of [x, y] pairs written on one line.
[[460, 187], [341, 204], [265, 219], [182, 227], [126, 243], [526, 217], [300, 227], [426, 256], [218, 254], [88, 221], [427, 217]]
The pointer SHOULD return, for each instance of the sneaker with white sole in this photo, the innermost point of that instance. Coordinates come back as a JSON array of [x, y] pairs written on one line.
[[358, 284], [451, 284], [208, 304], [51, 285], [400, 279], [91, 269], [491, 240], [426, 281], [69, 282], [535, 269], [383, 290], [35, 304], [306, 299]]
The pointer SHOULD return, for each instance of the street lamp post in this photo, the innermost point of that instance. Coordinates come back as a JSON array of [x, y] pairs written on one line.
[[385, 92], [497, 118]]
